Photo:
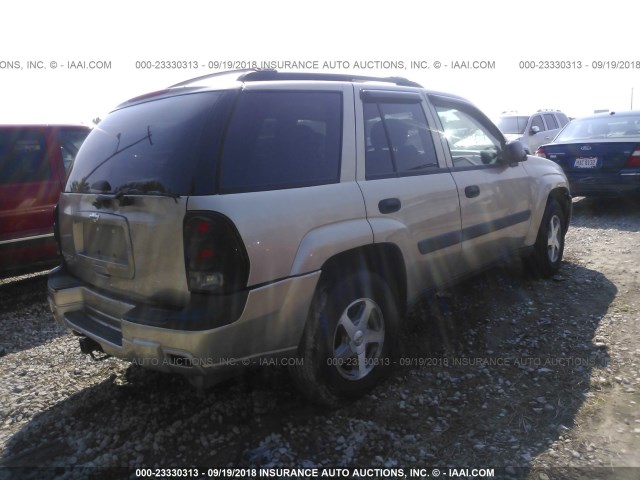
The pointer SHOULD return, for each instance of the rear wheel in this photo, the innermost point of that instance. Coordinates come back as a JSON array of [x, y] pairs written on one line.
[[549, 247], [349, 340]]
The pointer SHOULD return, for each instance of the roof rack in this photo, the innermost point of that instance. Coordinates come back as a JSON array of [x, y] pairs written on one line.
[[211, 75], [256, 75], [262, 75]]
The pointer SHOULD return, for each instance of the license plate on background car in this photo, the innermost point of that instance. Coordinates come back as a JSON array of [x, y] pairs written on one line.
[[586, 162]]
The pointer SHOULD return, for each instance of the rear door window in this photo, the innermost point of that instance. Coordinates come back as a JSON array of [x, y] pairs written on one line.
[[282, 139], [23, 157], [552, 124], [562, 118], [398, 140]]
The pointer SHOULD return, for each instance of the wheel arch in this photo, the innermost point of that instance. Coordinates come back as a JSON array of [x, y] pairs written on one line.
[[379, 269], [383, 259], [544, 258], [561, 194], [563, 197]]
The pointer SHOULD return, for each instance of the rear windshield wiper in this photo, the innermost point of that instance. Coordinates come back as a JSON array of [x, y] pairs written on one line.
[[125, 196], [154, 193]]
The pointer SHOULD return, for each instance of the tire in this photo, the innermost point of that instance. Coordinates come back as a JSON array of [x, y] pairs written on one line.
[[547, 251], [349, 341]]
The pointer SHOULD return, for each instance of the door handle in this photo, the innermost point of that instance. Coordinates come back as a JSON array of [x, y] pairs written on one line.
[[472, 191], [389, 205]]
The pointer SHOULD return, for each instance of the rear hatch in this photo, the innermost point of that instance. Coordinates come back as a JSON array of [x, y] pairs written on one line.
[[128, 250], [121, 214]]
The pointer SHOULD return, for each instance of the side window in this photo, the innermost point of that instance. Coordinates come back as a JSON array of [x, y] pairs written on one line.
[[70, 142], [552, 124], [398, 140], [471, 144], [562, 118], [23, 157], [282, 139], [536, 121]]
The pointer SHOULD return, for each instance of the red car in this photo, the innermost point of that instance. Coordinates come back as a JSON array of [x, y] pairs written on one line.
[[34, 161]]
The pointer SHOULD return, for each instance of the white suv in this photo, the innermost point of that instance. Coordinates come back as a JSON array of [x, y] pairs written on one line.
[[532, 130], [252, 215]]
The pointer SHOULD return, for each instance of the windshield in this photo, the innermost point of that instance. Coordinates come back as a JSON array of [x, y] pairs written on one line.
[[512, 124], [153, 148], [607, 126]]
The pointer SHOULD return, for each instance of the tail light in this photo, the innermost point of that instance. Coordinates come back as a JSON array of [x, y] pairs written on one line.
[[634, 159], [541, 153], [214, 254]]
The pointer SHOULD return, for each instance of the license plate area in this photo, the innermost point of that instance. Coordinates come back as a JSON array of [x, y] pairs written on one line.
[[586, 162], [103, 243]]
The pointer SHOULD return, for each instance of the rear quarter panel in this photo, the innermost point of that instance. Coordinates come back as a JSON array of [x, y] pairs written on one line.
[[293, 231]]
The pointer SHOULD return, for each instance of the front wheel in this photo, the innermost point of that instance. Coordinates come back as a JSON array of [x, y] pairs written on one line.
[[349, 341], [549, 247]]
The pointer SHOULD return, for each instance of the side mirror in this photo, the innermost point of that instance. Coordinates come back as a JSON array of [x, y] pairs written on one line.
[[513, 153], [535, 129]]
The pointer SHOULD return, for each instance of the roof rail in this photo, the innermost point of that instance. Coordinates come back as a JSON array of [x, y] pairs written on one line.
[[211, 75], [256, 75], [262, 75]]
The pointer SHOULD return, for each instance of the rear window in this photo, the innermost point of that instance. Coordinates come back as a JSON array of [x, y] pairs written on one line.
[[23, 157], [161, 147], [282, 139], [607, 126]]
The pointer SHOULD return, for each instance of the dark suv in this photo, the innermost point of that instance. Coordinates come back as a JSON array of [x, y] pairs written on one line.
[[34, 161], [291, 216]]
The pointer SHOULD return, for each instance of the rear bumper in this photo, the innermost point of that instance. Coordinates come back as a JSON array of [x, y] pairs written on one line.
[[605, 184], [197, 340]]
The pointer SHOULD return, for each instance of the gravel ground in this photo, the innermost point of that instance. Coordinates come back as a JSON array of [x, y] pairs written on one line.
[[537, 379]]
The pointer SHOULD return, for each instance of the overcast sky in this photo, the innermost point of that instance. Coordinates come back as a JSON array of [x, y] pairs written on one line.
[[46, 44]]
